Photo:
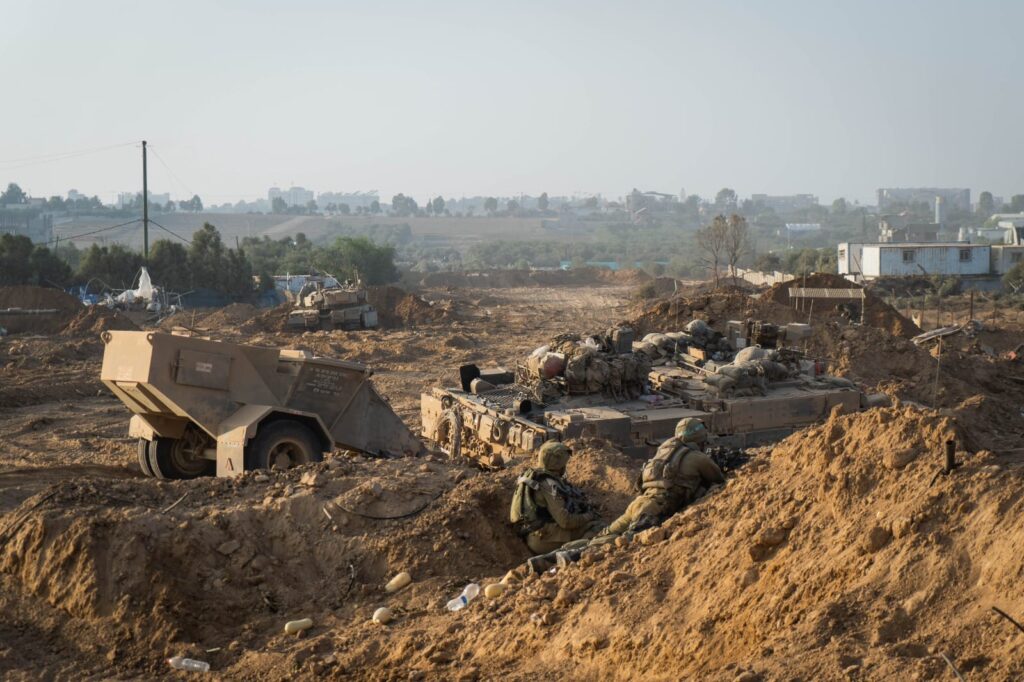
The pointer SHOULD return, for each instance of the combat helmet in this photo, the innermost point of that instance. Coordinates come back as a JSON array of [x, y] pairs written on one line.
[[553, 456], [691, 430]]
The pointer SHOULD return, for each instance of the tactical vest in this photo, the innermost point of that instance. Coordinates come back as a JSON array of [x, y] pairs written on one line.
[[664, 470], [526, 515]]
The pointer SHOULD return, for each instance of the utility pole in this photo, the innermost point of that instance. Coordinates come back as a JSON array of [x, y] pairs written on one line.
[[145, 208]]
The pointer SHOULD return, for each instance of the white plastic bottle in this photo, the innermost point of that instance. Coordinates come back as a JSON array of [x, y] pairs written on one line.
[[469, 593], [182, 663]]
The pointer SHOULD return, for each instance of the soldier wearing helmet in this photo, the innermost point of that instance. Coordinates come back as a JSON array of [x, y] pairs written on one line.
[[668, 482], [547, 511]]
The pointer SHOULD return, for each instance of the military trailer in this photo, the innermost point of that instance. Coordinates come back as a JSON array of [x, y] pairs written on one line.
[[496, 413], [203, 407], [340, 307]]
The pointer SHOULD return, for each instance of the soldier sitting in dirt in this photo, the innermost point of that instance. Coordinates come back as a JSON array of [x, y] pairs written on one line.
[[669, 481], [547, 511]]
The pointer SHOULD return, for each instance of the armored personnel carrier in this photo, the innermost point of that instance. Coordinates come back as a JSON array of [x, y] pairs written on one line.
[[203, 407], [632, 394], [340, 307]]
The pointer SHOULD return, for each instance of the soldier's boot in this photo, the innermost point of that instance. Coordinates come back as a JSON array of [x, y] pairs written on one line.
[[567, 556]]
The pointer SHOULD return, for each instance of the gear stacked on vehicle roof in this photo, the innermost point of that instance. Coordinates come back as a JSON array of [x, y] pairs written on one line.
[[633, 393]]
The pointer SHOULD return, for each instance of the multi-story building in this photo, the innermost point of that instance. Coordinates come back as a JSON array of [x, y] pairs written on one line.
[[784, 203], [354, 200], [953, 198], [295, 196]]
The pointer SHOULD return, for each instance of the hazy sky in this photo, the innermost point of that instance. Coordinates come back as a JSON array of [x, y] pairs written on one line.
[[463, 98]]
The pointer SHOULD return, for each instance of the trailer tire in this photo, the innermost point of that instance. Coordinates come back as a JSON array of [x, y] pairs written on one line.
[[176, 459], [143, 453], [285, 443]]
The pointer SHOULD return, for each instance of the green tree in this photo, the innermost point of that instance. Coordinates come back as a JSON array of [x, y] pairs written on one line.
[[726, 199], [491, 204], [1017, 203], [15, 251], [438, 205], [512, 205], [168, 265], [375, 206], [542, 202], [69, 253], [21, 262], [311, 206], [48, 268], [113, 266], [13, 195], [278, 206], [344, 209], [358, 257], [213, 266], [839, 206]]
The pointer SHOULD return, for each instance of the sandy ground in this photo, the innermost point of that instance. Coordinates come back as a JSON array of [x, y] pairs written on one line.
[[835, 555]]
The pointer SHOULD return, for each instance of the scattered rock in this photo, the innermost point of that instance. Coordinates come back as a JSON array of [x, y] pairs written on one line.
[[897, 459], [229, 547], [877, 538], [652, 536]]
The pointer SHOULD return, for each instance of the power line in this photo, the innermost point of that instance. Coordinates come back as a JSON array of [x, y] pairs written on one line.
[[187, 241], [90, 233], [174, 175], [48, 158]]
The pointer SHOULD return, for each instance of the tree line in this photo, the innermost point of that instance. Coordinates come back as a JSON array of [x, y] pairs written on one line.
[[205, 263]]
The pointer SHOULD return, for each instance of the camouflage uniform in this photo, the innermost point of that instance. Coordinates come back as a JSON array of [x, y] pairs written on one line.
[[669, 481], [547, 511]]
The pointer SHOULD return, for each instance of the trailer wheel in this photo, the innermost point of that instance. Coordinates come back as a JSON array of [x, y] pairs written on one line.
[[282, 445], [180, 458], [143, 452]]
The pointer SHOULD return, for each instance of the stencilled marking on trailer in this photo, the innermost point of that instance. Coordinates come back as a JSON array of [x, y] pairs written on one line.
[[204, 367], [326, 382]]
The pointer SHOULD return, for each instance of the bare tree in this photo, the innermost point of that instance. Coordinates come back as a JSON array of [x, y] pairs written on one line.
[[712, 240], [737, 241]]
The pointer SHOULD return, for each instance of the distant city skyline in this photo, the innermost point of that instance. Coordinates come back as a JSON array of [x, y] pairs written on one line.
[[463, 99]]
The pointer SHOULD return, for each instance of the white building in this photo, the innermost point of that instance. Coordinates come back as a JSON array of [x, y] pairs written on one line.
[[295, 196], [870, 261], [128, 198]]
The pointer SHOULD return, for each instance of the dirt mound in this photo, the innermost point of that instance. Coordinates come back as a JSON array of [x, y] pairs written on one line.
[[715, 308], [981, 390], [230, 316], [96, 319], [399, 308], [37, 298], [833, 558], [877, 313], [235, 559]]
